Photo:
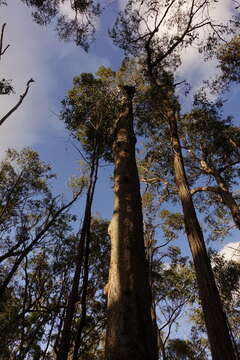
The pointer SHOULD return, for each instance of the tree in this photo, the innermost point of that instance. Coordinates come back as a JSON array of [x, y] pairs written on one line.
[[34, 227], [28, 211], [108, 108], [130, 330], [86, 114], [160, 52]]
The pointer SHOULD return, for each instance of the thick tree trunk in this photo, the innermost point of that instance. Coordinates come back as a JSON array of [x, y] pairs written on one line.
[[130, 330], [215, 319], [224, 192]]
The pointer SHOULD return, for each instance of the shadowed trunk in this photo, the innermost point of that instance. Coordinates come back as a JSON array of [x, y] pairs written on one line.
[[215, 318], [130, 330], [65, 342]]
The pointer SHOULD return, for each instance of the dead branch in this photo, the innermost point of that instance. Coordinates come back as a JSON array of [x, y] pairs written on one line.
[[15, 107], [2, 51]]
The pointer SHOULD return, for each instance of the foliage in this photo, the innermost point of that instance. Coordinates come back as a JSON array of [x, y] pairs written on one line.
[[91, 109], [79, 28]]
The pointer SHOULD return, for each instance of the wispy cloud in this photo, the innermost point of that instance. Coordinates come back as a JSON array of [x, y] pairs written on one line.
[[193, 69], [36, 52], [231, 251]]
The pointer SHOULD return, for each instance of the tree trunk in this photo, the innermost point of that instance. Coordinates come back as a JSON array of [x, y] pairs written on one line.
[[215, 318], [224, 192], [65, 341], [130, 330]]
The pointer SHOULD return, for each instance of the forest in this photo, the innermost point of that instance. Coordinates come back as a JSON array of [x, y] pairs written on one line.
[[151, 114]]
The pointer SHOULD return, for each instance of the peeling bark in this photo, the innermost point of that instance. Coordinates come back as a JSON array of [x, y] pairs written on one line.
[[130, 330]]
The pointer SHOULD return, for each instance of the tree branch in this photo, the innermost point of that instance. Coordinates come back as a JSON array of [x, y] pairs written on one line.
[[229, 165], [18, 103], [214, 189], [33, 243], [2, 51]]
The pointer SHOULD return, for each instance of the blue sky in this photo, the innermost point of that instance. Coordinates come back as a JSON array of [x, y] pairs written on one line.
[[36, 52]]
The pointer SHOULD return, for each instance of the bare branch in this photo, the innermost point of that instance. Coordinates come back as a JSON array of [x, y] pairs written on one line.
[[214, 189], [18, 103], [229, 165], [26, 251], [154, 180], [2, 51]]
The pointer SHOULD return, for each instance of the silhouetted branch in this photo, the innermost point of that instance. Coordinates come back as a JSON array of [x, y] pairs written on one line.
[[18, 103], [2, 51]]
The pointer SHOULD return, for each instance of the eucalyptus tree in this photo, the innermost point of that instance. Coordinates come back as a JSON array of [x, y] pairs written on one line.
[[33, 225], [158, 31], [227, 278], [104, 105], [93, 332], [28, 210], [86, 112]]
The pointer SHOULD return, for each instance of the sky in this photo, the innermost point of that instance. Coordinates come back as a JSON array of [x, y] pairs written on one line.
[[36, 52]]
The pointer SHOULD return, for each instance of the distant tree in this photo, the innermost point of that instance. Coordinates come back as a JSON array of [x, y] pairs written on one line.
[[29, 214]]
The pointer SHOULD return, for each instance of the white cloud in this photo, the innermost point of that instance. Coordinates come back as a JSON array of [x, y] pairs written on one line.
[[36, 52], [231, 251], [67, 10], [193, 67]]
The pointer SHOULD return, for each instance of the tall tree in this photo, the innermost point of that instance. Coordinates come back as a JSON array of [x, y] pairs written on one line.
[[130, 331], [100, 101], [87, 112], [137, 36]]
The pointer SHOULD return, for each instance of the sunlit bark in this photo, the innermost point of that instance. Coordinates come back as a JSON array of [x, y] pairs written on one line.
[[130, 330]]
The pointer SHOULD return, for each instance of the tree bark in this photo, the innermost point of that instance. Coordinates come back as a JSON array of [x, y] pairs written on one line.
[[130, 330], [215, 318]]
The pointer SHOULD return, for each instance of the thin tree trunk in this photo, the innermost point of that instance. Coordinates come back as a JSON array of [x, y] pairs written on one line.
[[78, 338], [130, 330], [65, 342], [54, 317], [215, 318], [161, 346]]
